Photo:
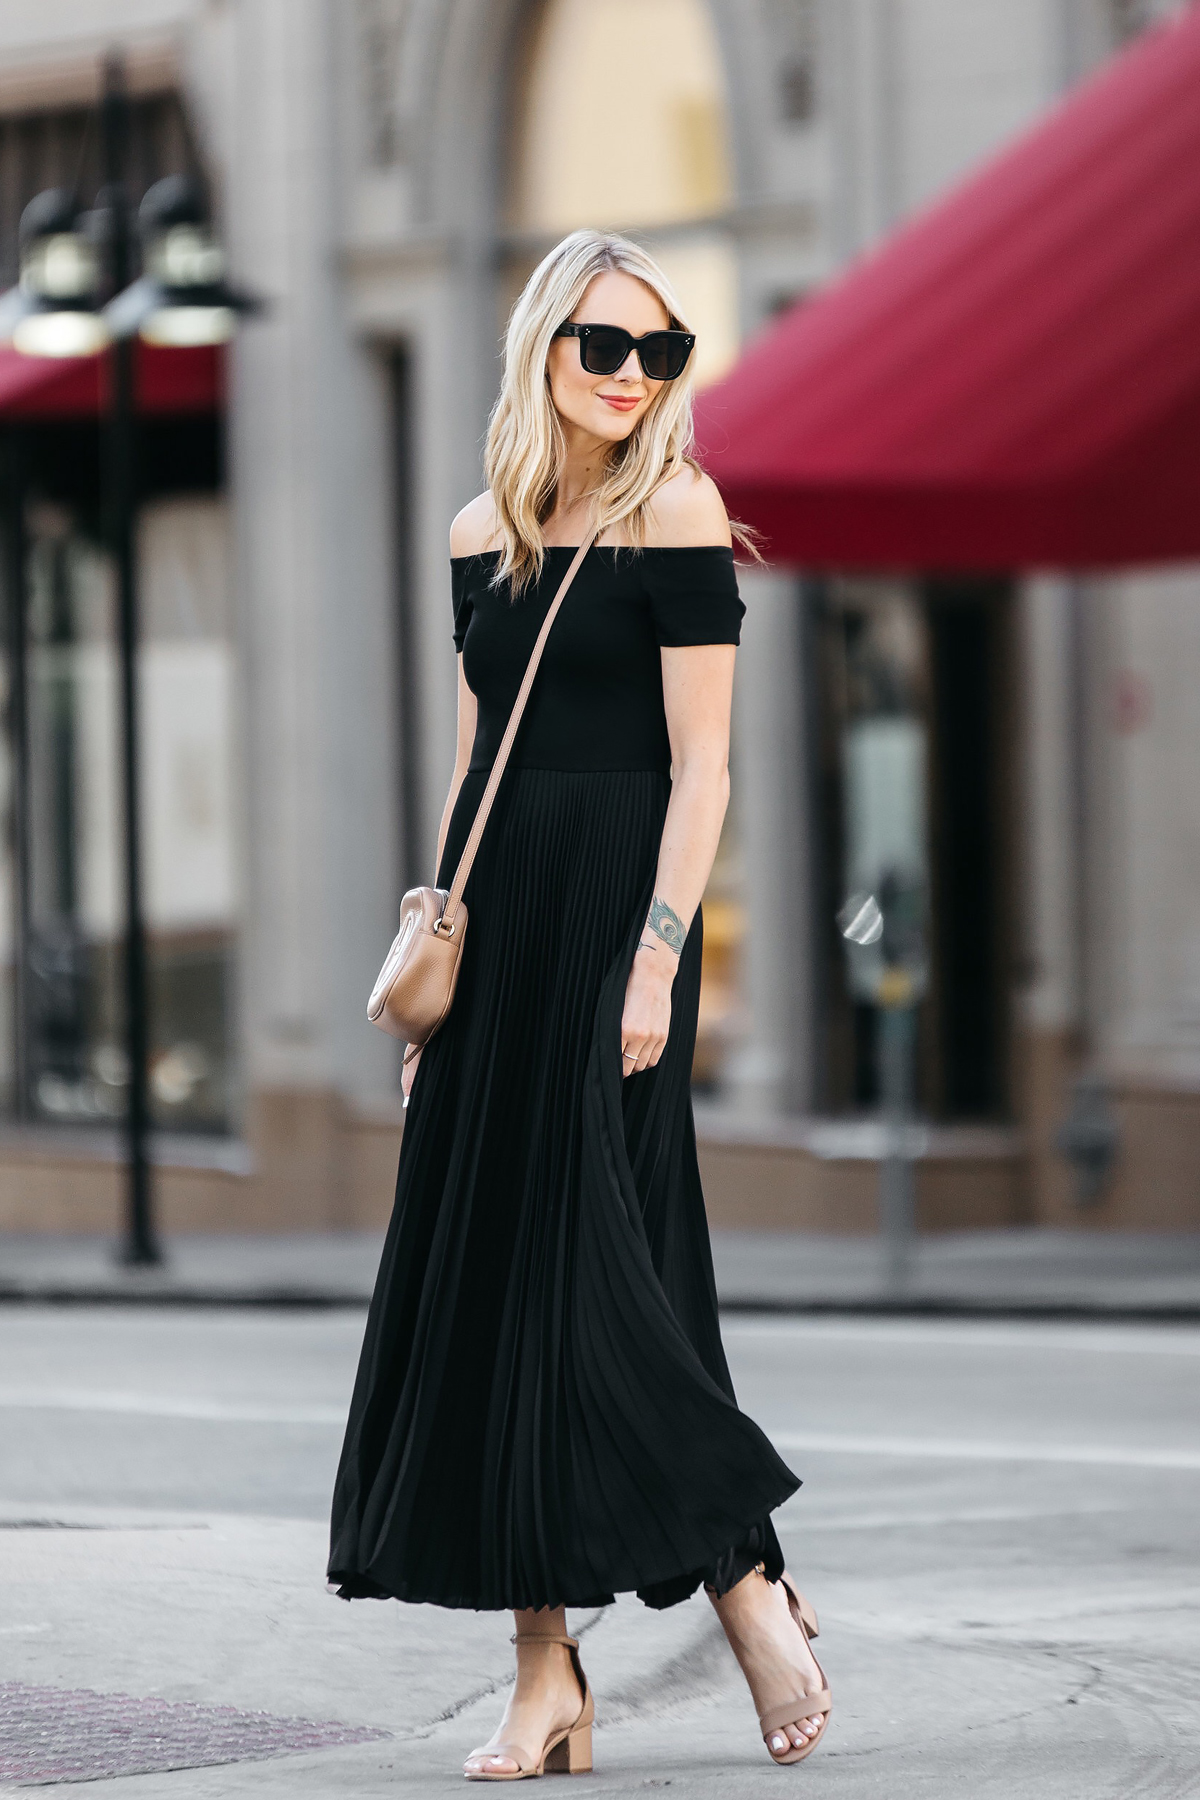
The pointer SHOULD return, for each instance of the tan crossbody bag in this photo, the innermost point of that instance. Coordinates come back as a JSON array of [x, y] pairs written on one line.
[[417, 981]]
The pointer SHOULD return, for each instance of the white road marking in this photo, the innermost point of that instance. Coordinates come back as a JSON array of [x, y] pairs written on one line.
[[1117, 1340], [816, 1518], [165, 1406], [168, 1406], [982, 1450]]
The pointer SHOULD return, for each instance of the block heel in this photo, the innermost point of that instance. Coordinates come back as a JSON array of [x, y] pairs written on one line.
[[573, 1754]]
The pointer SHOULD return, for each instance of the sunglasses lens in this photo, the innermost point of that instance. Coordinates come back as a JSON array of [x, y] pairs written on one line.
[[604, 350], [664, 354], [656, 356]]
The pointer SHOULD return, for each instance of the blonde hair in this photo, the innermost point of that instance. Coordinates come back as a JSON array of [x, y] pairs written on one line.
[[525, 448]]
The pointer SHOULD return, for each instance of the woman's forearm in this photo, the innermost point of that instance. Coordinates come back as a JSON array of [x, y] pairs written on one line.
[[691, 834]]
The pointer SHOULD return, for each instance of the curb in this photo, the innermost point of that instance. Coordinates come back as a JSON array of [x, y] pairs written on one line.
[[50, 1293], [298, 1299], [1135, 1313]]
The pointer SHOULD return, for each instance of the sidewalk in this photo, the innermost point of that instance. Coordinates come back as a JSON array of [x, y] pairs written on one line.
[[1022, 1273]]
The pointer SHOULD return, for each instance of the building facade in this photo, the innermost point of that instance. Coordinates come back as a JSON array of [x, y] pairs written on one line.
[[385, 174]]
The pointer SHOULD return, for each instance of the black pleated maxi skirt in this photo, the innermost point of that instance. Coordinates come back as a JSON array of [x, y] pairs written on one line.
[[543, 1413]]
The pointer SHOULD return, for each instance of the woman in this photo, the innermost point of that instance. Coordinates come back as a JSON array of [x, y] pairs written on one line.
[[543, 1415]]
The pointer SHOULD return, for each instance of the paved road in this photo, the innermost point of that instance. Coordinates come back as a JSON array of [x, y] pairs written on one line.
[[999, 1527]]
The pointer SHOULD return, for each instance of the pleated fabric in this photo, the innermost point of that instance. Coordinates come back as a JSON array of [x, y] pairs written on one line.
[[543, 1413]]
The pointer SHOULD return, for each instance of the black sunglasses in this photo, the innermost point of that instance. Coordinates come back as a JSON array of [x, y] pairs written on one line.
[[603, 349]]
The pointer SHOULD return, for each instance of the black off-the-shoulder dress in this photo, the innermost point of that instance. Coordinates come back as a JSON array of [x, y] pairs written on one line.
[[543, 1413]]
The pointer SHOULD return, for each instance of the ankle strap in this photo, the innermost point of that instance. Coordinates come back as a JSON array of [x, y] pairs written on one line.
[[543, 1637]]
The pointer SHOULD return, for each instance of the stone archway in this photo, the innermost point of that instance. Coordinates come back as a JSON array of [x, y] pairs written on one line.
[[454, 67]]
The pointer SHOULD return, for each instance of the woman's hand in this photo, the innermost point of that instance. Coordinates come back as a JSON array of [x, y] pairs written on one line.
[[411, 1059], [646, 1019]]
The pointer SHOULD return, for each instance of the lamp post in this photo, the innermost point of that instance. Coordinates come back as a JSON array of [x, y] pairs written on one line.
[[69, 266], [140, 1247]]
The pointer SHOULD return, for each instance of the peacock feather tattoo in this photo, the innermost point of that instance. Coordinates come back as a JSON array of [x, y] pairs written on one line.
[[666, 924]]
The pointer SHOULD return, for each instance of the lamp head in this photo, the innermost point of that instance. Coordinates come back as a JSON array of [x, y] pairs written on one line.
[[185, 263], [54, 309]]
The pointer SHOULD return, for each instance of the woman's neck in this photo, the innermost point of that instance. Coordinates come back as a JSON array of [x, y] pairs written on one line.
[[582, 470]]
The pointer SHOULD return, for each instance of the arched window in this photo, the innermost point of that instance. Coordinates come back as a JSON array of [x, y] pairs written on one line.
[[621, 123]]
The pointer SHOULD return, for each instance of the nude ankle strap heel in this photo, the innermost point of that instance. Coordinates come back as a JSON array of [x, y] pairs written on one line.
[[804, 1706], [567, 1752]]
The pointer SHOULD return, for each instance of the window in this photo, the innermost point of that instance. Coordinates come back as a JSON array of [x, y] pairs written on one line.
[[794, 27], [380, 27], [64, 1058]]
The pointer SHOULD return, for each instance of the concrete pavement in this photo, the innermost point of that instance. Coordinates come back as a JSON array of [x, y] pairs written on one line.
[[999, 1527], [1029, 1273]]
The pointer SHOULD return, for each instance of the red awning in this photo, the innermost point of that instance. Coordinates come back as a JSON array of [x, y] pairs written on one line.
[[1013, 378], [73, 387]]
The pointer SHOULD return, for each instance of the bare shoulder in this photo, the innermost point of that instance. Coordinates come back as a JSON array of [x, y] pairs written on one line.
[[688, 509], [474, 528]]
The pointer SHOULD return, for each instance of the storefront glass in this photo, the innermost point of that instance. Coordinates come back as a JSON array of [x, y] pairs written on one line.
[[915, 787], [64, 1060]]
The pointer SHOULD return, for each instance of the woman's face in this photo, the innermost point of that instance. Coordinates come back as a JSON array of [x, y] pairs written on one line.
[[606, 406]]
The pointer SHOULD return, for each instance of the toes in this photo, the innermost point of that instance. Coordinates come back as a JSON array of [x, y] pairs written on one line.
[[793, 1737], [492, 1765]]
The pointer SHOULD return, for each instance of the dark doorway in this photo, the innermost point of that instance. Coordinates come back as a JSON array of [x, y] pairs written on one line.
[[915, 688], [968, 647]]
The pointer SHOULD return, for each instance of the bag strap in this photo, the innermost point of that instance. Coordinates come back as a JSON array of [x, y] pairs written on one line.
[[506, 743]]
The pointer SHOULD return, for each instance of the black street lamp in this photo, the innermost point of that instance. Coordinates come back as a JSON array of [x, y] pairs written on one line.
[[70, 265]]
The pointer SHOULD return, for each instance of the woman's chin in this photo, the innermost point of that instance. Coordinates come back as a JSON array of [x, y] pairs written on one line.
[[615, 426]]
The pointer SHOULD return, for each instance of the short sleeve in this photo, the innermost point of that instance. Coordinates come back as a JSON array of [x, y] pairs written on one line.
[[460, 598], [694, 595]]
